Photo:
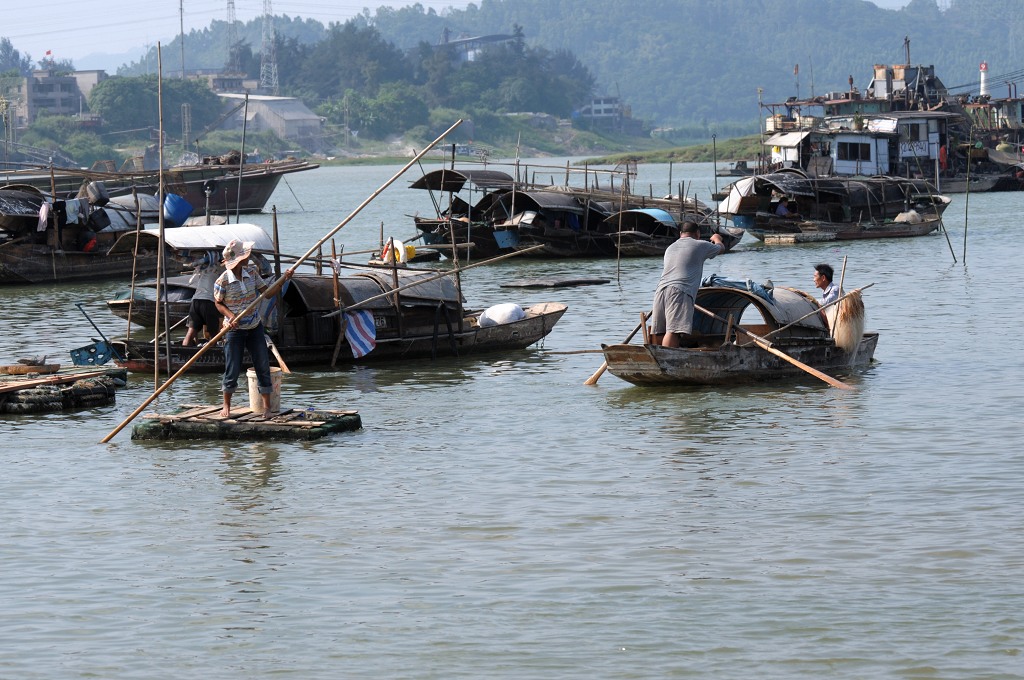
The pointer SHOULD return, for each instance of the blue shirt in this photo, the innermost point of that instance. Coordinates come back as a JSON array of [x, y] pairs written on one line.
[[830, 294]]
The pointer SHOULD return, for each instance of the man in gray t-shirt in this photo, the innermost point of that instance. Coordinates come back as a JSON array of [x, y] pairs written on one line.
[[680, 279]]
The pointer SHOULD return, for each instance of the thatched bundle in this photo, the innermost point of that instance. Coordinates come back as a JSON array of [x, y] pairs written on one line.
[[848, 322]]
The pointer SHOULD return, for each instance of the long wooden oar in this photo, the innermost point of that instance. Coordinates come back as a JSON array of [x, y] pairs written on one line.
[[767, 346], [592, 380], [275, 287], [277, 355]]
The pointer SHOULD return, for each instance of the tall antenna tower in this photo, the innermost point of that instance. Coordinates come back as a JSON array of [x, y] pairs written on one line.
[[232, 65], [268, 53]]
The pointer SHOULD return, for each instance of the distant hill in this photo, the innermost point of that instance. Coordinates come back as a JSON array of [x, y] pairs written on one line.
[[692, 61], [695, 63]]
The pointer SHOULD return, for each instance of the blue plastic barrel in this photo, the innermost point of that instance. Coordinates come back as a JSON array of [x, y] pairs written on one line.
[[176, 209]]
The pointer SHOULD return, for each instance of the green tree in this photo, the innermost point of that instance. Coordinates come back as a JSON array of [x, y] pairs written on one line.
[[132, 103], [64, 133], [351, 58], [396, 108], [12, 60]]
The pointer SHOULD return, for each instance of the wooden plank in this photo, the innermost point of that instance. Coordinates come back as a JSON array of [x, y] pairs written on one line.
[[197, 411], [58, 379], [23, 369]]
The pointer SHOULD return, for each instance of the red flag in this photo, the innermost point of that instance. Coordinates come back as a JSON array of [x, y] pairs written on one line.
[[49, 52], [796, 70]]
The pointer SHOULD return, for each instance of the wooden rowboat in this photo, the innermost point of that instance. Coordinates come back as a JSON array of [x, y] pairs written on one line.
[[723, 354]]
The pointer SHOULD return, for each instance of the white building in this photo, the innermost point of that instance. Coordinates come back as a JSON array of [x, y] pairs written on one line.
[[287, 117]]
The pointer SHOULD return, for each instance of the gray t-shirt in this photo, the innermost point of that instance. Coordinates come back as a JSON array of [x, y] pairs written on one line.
[[684, 264], [203, 279]]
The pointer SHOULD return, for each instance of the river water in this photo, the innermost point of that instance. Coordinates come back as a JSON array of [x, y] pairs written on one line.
[[496, 518]]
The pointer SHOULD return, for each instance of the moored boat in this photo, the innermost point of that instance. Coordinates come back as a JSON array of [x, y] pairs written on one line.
[[427, 319], [216, 175], [45, 240], [832, 208], [723, 353], [186, 244]]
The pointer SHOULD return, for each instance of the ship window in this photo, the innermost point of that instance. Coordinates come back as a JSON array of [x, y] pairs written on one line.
[[850, 151], [912, 132]]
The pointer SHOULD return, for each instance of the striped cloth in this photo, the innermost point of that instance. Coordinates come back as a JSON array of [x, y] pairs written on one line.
[[361, 332]]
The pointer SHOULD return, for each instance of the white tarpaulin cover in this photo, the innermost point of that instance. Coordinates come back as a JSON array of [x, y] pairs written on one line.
[[213, 237], [740, 188], [787, 139]]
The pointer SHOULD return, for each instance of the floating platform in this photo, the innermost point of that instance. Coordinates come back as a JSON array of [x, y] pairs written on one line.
[[192, 421], [553, 282], [802, 237], [60, 389]]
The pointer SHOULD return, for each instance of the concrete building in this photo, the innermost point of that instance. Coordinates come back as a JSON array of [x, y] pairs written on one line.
[[287, 117], [47, 92]]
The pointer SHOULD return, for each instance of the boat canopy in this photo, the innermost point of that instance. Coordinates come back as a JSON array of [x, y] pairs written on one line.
[[354, 286], [455, 180], [784, 307], [212, 237], [640, 219], [848, 190], [542, 200], [787, 140], [657, 214]]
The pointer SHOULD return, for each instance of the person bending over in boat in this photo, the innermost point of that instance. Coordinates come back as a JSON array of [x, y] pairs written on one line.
[[823, 274], [783, 210], [235, 290], [683, 269], [203, 315]]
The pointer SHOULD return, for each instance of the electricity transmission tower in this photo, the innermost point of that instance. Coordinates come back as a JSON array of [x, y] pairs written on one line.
[[232, 65], [268, 52]]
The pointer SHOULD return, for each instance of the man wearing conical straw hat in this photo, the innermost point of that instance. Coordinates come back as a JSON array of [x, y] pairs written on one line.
[[236, 289]]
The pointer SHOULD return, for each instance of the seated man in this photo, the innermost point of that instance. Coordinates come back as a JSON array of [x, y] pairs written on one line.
[[783, 210]]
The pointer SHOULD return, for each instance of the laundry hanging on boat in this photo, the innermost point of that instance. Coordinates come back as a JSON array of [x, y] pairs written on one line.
[[361, 332]]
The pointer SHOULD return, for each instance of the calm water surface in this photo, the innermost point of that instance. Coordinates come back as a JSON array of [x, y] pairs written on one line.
[[496, 518]]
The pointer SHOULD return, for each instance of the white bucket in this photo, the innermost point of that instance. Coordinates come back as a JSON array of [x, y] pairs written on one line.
[[256, 399]]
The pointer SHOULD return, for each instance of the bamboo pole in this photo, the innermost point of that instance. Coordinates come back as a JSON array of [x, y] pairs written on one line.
[[135, 260], [337, 304], [160, 218], [241, 159], [275, 287], [441, 275]]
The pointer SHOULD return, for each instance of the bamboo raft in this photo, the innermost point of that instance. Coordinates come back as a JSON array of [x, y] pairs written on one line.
[[203, 421], [52, 390]]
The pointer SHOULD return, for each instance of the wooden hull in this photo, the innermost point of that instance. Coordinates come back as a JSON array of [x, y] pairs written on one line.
[[22, 263], [479, 234], [540, 320], [730, 364], [143, 312], [257, 185], [779, 230]]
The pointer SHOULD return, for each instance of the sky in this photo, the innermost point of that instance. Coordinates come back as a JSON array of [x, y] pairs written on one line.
[[71, 29]]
